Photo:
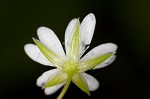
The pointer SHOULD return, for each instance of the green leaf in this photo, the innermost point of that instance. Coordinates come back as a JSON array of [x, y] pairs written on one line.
[[79, 80], [59, 78], [51, 56], [84, 66]]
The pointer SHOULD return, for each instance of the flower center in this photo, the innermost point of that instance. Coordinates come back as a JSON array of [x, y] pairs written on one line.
[[70, 67]]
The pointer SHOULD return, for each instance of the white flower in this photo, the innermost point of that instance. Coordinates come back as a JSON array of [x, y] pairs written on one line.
[[70, 66]]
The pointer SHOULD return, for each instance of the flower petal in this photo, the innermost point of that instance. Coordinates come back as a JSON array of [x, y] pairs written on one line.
[[53, 89], [49, 39], [106, 62], [91, 81], [69, 33], [45, 76], [35, 54], [100, 50], [87, 29]]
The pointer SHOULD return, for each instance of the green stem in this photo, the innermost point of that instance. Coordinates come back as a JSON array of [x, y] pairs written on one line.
[[65, 87]]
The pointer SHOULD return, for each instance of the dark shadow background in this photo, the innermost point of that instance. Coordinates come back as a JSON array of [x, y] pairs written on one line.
[[124, 22]]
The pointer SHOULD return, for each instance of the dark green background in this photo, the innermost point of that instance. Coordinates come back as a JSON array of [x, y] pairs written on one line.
[[124, 22]]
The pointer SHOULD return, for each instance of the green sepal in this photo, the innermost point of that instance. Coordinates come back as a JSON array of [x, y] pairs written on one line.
[[50, 55], [81, 83], [84, 66], [75, 44], [59, 78]]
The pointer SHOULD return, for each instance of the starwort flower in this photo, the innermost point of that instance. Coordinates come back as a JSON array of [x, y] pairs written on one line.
[[70, 66]]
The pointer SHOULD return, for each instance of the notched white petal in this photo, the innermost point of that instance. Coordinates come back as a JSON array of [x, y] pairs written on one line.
[[87, 28], [35, 54], [92, 82], [106, 62], [45, 76], [53, 89], [48, 38]]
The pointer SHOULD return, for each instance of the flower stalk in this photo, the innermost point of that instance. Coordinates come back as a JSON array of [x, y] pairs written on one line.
[[61, 95]]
